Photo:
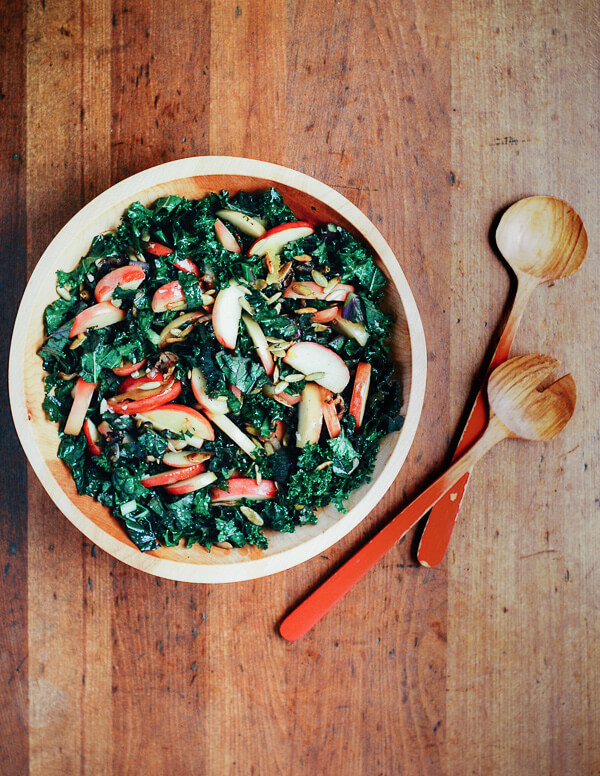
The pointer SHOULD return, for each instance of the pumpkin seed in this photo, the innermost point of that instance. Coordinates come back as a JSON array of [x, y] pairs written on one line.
[[280, 387], [77, 341], [305, 310], [63, 293], [224, 545], [330, 286], [323, 465], [295, 378], [313, 376], [319, 278], [302, 290], [252, 516], [274, 298], [303, 258]]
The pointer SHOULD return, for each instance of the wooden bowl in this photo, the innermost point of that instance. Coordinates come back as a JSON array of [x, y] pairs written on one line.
[[194, 178]]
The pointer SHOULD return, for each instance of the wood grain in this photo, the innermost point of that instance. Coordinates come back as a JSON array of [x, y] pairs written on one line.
[[432, 118]]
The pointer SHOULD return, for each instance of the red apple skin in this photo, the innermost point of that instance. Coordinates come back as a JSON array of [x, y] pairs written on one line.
[[187, 265], [127, 277], [240, 487], [326, 316], [360, 392], [98, 315], [173, 475], [262, 245], [169, 297], [207, 430], [156, 249], [91, 437], [137, 382], [226, 316], [81, 403], [197, 482], [225, 237], [309, 357], [332, 421], [123, 405], [183, 459], [127, 368]]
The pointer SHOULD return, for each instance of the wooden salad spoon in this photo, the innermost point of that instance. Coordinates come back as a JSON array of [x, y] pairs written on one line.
[[519, 408], [541, 239]]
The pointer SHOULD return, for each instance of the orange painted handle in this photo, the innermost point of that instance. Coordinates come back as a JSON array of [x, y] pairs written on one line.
[[442, 519], [318, 603]]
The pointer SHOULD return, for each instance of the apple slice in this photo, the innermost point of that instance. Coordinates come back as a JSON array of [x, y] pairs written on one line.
[[127, 368], [240, 487], [260, 343], [307, 289], [274, 240], [360, 391], [98, 316], [229, 428], [172, 475], [179, 419], [225, 237], [187, 265], [226, 314], [330, 414], [156, 249], [92, 437], [137, 400], [194, 483], [283, 398], [219, 405], [310, 415], [82, 397], [128, 277], [326, 316], [352, 330], [169, 297], [182, 325], [311, 358], [184, 458], [241, 221]]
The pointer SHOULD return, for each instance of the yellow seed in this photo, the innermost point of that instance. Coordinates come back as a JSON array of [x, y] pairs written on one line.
[[304, 258], [302, 290], [280, 387], [315, 376], [319, 278], [252, 516], [319, 327], [323, 465], [304, 310], [224, 545], [274, 298], [284, 270], [295, 378], [77, 341], [269, 449], [330, 286]]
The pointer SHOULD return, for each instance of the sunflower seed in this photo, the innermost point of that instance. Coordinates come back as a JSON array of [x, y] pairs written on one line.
[[252, 516], [323, 465], [295, 378], [274, 298], [315, 376], [280, 387], [319, 278], [63, 293]]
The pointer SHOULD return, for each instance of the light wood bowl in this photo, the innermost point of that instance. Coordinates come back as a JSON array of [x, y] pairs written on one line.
[[194, 178]]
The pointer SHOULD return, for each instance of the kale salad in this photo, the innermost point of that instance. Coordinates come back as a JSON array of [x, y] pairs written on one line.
[[217, 368]]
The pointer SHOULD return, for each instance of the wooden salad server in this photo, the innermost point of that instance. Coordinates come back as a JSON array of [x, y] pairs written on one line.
[[541, 239], [518, 408]]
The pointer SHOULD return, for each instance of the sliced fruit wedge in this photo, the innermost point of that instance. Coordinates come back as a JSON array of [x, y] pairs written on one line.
[[142, 399], [92, 437], [282, 397], [98, 316], [226, 314], [274, 240], [145, 382], [128, 277], [310, 415], [240, 487], [184, 458], [352, 330], [241, 221], [156, 249], [260, 343], [198, 383], [360, 392], [330, 415], [225, 237], [194, 483], [127, 368], [172, 475], [307, 289], [179, 419], [180, 327], [228, 427], [326, 316], [187, 265], [312, 358], [82, 397], [169, 297]]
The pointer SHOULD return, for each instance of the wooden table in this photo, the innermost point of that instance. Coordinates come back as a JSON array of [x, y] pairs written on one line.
[[430, 118]]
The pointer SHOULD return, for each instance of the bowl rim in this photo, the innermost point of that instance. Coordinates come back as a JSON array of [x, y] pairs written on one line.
[[193, 167]]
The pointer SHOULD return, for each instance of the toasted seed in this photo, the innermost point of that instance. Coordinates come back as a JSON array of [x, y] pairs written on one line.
[[67, 378], [277, 352], [275, 444], [145, 237], [63, 293], [274, 298], [330, 286], [252, 516], [302, 290], [258, 474], [278, 308], [303, 258], [280, 387], [276, 374], [77, 341], [286, 440], [245, 305], [315, 376], [323, 465], [210, 292], [295, 378], [252, 430], [270, 263], [260, 284], [319, 278], [304, 310], [284, 271], [298, 506], [269, 449], [224, 545], [274, 339], [151, 458], [319, 327]]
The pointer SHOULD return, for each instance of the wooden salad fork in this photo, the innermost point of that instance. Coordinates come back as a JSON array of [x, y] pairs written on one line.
[[541, 239], [519, 408]]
